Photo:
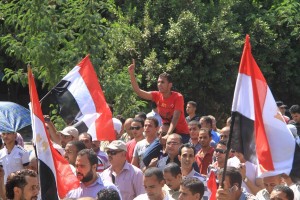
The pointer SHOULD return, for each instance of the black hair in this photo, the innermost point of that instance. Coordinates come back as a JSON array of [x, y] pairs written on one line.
[[194, 185], [85, 133], [173, 169], [195, 122], [207, 119], [166, 76], [234, 176], [187, 145], [92, 156], [154, 171], [108, 194], [193, 103], [295, 109], [141, 115], [285, 189], [154, 120], [206, 131], [139, 120], [78, 144]]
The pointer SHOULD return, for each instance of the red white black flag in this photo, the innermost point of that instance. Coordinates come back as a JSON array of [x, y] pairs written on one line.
[[259, 130], [56, 176], [82, 102]]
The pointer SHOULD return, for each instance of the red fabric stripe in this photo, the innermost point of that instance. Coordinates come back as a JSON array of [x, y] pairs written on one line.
[[65, 178], [212, 185], [249, 67], [104, 124]]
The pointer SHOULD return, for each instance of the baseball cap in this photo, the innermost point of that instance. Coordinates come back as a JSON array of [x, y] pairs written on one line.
[[117, 145], [70, 130]]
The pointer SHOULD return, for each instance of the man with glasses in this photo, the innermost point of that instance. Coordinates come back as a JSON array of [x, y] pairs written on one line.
[[137, 129], [219, 154], [150, 130], [174, 141], [128, 178]]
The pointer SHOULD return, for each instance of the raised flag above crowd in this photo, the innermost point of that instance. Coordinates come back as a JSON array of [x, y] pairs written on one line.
[[260, 131], [82, 102], [56, 176]]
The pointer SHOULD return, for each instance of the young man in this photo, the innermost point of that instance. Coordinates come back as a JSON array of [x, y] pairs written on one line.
[[170, 104], [86, 172], [128, 178], [22, 185], [173, 177], [194, 128], [282, 192], [295, 112], [191, 108], [191, 188], [153, 183]]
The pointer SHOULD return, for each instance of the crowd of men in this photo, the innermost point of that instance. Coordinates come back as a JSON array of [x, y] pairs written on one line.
[[161, 155]]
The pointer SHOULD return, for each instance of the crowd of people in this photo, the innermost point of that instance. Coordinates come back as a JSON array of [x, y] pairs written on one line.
[[162, 155]]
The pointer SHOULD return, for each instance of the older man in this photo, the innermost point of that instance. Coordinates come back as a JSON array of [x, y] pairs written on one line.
[[173, 177], [269, 183], [128, 178]]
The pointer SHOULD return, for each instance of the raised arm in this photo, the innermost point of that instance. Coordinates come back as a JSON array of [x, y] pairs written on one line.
[[141, 93]]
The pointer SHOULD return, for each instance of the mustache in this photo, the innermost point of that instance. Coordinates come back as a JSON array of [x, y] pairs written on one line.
[[78, 173]]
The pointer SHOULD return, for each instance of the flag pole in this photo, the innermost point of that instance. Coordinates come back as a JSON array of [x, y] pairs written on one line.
[[233, 115]]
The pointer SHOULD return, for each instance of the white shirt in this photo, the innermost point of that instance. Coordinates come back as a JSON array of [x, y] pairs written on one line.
[[145, 196]]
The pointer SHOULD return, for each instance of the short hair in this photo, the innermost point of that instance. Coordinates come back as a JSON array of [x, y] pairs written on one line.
[[193, 103], [194, 185], [141, 115], [78, 144], [295, 109], [92, 156], [108, 194], [166, 76], [195, 122], [207, 119], [154, 171], [177, 136], [172, 168], [17, 179], [139, 120], [187, 145], [154, 120], [285, 189], [206, 131], [87, 134], [121, 118], [234, 176]]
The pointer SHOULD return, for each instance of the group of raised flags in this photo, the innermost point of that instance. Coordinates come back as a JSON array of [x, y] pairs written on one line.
[[259, 130]]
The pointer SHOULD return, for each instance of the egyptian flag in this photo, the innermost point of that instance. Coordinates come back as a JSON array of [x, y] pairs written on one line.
[[56, 176], [259, 130], [212, 185], [82, 102]]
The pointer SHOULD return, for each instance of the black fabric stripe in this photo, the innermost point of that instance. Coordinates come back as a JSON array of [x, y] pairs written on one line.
[[295, 172], [243, 137], [47, 182], [81, 127]]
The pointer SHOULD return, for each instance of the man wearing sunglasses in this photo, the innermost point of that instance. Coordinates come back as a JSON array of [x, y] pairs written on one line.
[[219, 154], [128, 178]]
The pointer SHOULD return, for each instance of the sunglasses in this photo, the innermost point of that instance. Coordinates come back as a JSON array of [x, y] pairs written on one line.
[[112, 153], [135, 128], [220, 151]]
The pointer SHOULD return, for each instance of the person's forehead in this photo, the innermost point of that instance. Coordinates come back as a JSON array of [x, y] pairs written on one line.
[[173, 138], [186, 150], [71, 147], [168, 175], [220, 146], [136, 124], [83, 137], [272, 179], [203, 133], [163, 79], [31, 180], [193, 126], [151, 180], [149, 122], [278, 194]]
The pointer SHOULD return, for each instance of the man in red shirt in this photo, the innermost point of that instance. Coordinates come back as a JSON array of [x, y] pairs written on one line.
[[170, 104]]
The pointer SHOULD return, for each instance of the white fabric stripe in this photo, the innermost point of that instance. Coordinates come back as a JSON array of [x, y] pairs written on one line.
[[80, 91], [42, 144], [243, 97], [89, 120], [281, 140]]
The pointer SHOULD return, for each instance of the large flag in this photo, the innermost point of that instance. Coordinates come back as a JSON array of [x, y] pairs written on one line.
[[56, 176], [259, 130], [82, 102], [212, 185]]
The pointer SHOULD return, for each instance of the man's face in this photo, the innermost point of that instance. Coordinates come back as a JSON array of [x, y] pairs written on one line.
[[163, 85], [186, 194], [153, 187], [137, 129], [127, 126], [96, 145], [84, 170], [282, 110], [224, 133], [194, 131], [190, 109], [270, 182], [64, 139], [116, 157], [70, 153], [86, 140], [162, 132], [204, 124], [278, 195], [173, 144], [220, 157], [150, 129], [9, 138], [171, 181], [31, 189], [296, 117], [204, 138], [186, 158]]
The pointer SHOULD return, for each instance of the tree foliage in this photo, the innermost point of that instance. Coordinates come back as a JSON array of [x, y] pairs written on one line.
[[198, 41]]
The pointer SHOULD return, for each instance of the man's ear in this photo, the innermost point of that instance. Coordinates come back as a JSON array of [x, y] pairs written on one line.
[[197, 195], [17, 192], [95, 166]]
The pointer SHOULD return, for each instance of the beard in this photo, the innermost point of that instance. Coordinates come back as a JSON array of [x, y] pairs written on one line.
[[32, 198], [88, 177]]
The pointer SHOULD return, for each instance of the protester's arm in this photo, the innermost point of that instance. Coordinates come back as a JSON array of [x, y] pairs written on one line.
[[141, 93], [135, 161], [52, 131], [253, 187]]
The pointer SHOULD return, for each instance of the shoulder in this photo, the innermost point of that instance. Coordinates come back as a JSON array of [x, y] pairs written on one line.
[[22, 149], [141, 197]]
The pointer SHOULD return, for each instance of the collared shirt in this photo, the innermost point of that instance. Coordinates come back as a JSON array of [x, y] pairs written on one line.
[[193, 173], [165, 160], [204, 161], [13, 161], [196, 146], [263, 195], [139, 151], [173, 193], [129, 181], [91, 190]]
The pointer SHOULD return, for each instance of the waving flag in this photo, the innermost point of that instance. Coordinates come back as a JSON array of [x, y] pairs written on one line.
[[259, 131], [212, 185], [56, 176], [82, 102]]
